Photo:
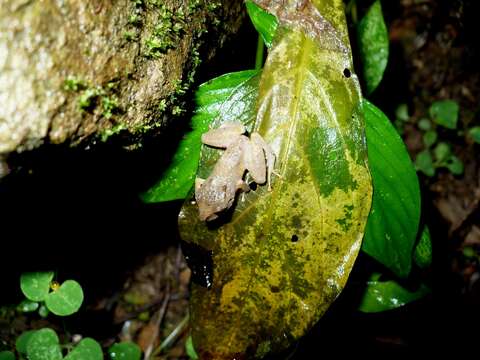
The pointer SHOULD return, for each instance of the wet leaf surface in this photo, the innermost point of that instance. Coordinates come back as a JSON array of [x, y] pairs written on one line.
[[281, 257]]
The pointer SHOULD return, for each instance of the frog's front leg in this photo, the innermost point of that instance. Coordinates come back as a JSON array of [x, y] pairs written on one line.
[[259, 159], [223, 136]]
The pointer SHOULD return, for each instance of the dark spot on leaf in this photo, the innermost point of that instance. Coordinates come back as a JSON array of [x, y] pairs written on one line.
[[274, 289], [294, 238], [253, 186], [296, 222], [347, 73]]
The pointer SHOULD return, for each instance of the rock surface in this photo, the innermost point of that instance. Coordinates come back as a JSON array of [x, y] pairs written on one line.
[[76, 72]]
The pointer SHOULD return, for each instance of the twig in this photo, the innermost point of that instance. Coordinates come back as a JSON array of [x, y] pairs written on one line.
[[158, 321], [173, 336]]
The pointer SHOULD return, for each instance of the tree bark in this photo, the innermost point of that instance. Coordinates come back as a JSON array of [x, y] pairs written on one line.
[[77, 72]]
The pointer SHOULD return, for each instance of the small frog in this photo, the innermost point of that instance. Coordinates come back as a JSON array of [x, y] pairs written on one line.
[[253, 154]]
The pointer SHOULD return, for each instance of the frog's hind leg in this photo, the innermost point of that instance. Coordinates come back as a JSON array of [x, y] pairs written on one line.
[[261, 161], [223, 136]]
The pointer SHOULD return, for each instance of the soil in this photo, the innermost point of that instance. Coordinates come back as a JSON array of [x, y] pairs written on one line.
[[127, 256]]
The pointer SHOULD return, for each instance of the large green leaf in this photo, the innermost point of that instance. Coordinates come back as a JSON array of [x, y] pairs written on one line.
[[223, 95], [372, 38], [388, 295], [393, 222], [285, 255]]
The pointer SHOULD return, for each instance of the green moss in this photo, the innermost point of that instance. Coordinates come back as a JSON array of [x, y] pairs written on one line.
[[135, 19], [193, 6], [177, 110], [109, 105], [162, 105], [167, 32], [139, 3], [74, 84], [86, 101], [213, 6], [107, 133], [129, 35], [90, 97]]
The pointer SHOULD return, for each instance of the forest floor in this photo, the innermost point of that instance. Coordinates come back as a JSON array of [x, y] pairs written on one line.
[[136, 283]]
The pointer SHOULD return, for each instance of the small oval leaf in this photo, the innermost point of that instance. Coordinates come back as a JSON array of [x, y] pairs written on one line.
[[27, 306], [373, 46], [475, 134], [22, 341], [190, 349], [43, 311], [44, 345], [125, 351], [393, 222], [87, 349], [388, 295], [424, 162], [445, 113], [66, 300], [36, 285]]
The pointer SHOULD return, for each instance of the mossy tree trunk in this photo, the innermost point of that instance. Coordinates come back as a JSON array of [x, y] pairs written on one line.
[[76, 72]]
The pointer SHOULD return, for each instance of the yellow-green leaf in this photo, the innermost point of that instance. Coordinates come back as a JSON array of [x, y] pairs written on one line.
[[281, 257]]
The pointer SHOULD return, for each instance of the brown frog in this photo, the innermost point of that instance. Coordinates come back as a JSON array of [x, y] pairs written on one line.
[[242, 154]]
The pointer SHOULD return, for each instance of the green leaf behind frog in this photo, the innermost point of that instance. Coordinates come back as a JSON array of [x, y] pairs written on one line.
[[220, 98], [281, 257]]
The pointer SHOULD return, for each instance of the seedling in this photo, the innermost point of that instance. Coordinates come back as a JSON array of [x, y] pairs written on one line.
[[39, 287], [437, 155], [63, 299]]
